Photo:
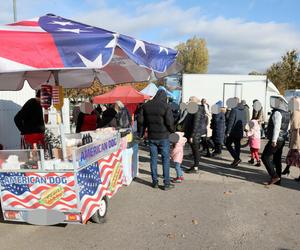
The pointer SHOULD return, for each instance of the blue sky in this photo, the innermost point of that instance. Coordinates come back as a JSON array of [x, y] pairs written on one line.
[[241, 35]]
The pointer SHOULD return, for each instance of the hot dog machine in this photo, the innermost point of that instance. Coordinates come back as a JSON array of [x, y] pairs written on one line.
[[47, 192]]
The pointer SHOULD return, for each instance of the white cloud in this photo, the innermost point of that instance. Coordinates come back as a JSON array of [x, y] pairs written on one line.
[[235, 45]]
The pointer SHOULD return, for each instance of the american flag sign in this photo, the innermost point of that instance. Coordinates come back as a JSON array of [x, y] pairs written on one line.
[[102, 178], [52, 42], [38, 190]]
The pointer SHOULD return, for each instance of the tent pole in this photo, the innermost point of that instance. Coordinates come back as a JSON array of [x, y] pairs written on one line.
[[15, 10], [61, 125]]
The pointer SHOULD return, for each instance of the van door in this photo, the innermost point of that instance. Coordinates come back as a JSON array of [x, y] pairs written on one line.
[[231, 90]]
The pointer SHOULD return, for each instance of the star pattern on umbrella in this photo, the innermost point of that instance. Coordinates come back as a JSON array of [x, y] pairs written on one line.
[[77, 31], [113, 42], [61, 23], [139, 44], [161, 49], [97, 63]]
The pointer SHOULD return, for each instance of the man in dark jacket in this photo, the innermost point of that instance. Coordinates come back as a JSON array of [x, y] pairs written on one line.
[[156, 116], [235, 131], [30, 121], [194, 128], [277, 133], [218, 127]]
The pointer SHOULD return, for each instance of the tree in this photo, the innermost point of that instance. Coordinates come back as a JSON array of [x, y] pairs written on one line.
[[78, 95], [286, 73], [255, 73], [193, 55]]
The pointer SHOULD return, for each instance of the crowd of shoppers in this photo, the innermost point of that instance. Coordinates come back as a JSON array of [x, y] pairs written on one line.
[[215, 127], [197, 124]]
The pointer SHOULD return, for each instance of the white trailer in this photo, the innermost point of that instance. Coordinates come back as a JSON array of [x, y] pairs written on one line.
[[221, 87]]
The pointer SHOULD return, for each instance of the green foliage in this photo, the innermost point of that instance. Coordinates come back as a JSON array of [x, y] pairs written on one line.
[[255, 73], [286, 73], [193, 55]]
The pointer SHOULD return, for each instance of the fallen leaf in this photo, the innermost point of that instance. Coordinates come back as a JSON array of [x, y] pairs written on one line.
[[228, 192], [195, 222], [171, 236]]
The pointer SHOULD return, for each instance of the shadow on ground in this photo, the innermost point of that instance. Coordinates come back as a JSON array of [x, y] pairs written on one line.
[[242, 172]]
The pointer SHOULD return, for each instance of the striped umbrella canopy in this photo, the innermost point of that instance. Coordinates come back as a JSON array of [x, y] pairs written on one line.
[[54, 49]]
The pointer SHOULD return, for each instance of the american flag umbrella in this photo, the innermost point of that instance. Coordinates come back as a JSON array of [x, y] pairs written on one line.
[[73, 54]]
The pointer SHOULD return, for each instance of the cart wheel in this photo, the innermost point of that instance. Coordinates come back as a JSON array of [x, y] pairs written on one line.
[[99, 216]]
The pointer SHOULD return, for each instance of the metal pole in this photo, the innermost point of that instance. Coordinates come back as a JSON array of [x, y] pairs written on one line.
[[15, 10]]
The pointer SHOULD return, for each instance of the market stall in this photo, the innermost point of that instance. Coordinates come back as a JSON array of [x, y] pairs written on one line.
[[38, 186], [130, 97]]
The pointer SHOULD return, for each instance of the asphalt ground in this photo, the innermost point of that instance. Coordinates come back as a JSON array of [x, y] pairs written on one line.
[[219, 208]]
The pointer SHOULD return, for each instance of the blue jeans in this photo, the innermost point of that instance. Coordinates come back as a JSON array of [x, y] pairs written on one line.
[[163, 146], [178, 169]]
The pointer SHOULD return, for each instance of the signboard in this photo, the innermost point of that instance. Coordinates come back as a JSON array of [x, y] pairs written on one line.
[[38, 190], [93, 151], [100, 178]]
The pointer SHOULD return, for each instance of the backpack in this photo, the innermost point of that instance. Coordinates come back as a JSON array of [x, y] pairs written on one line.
[[123, 118]]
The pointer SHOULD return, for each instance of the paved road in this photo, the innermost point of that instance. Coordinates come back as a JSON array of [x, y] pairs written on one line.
[[219, 208]]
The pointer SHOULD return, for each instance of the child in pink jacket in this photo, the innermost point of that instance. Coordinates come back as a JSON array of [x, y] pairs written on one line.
[[177, 157], [254, 141]]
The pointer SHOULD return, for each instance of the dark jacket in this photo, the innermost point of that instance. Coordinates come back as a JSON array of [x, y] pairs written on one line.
[[236, 122], [285, 121], [108, 118], [123, 118], [175, 111], [218, 127], [195, 125], [29, 119], [156, 116], [247, 113]]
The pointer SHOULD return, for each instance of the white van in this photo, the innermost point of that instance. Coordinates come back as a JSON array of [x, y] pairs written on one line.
[[221, 87]]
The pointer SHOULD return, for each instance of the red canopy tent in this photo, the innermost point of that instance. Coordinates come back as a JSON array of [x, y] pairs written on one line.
[[126, 94]]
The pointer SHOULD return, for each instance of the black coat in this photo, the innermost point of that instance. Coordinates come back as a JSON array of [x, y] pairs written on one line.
[[175, 111], [195, 125], [108, 119], [156, 116], [236, 122], [218, 127], [29, 119]]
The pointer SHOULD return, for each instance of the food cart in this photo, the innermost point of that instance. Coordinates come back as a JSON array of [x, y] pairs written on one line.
[[43, 190], [46, 192]]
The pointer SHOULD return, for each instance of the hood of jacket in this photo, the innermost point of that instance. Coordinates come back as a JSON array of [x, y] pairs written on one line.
[[182, 139], [254, 124], [240, 106], [161, 96]]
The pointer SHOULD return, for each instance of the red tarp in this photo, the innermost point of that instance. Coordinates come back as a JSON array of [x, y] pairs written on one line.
[[125, 94]]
